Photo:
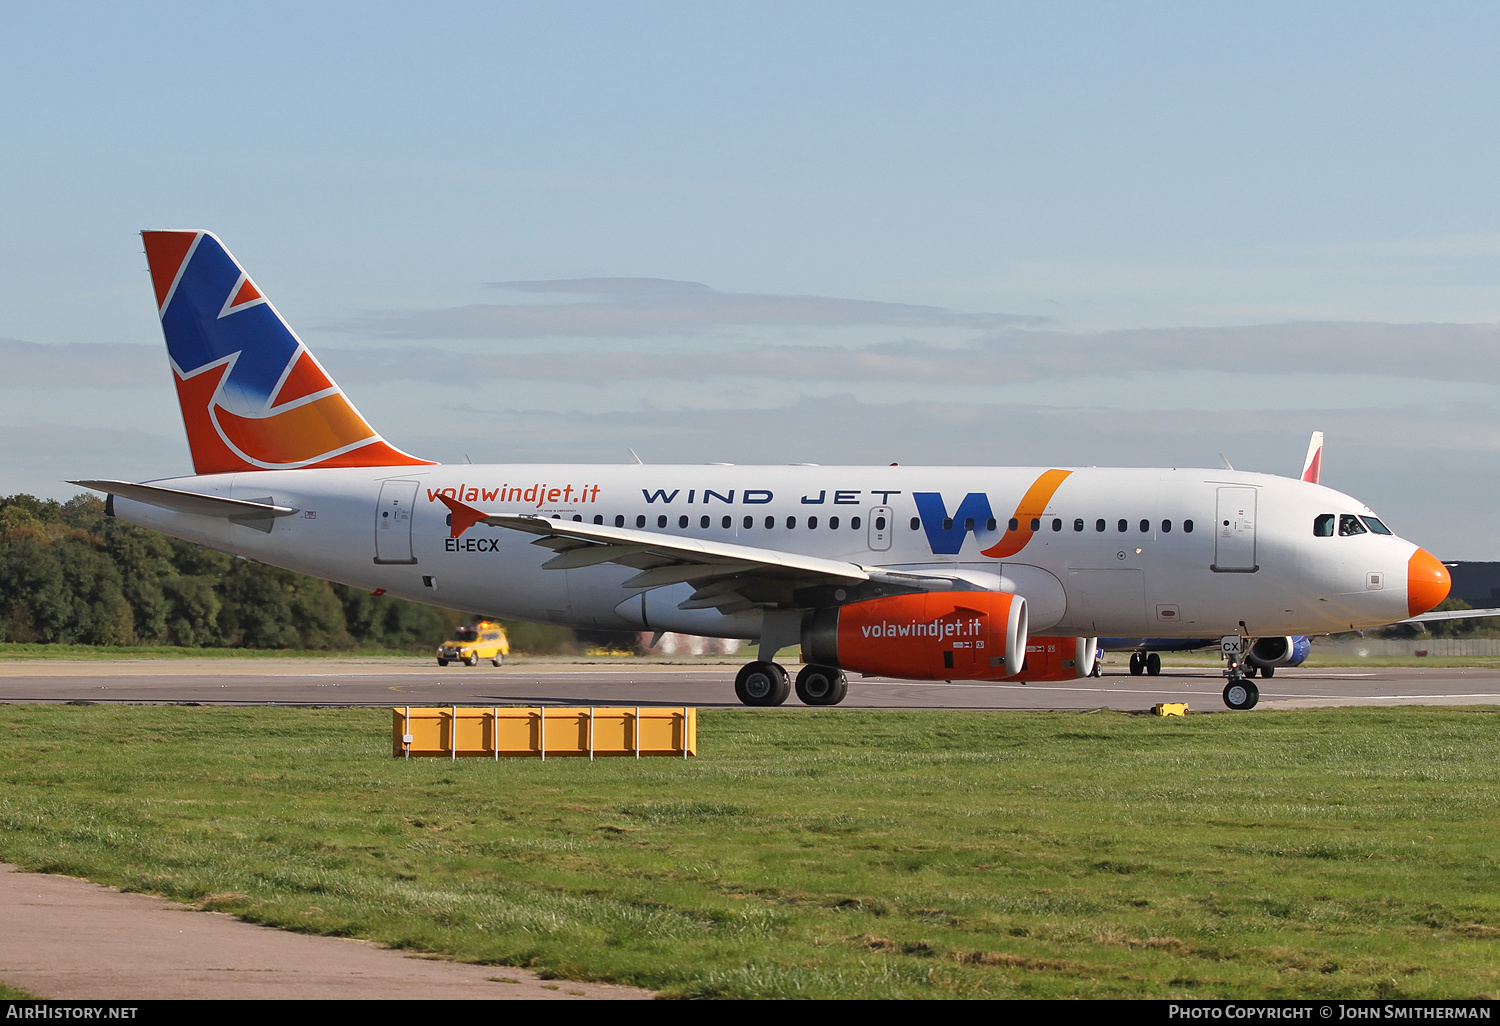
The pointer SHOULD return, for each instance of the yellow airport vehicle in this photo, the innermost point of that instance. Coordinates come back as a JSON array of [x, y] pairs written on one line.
[[484, 640]]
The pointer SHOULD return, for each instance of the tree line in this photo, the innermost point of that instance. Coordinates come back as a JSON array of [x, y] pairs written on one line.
[[69, 574]]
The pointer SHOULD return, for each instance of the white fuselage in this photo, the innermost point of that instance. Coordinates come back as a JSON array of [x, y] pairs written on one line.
[[1264, 568]]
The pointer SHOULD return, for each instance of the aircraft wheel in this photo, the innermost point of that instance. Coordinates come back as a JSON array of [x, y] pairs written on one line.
[[1251, 669], [1153, 664], [442, 662], [762, 684], [821, 685], [1268, 671], [472, 660], [1241, 695], [1137, 664]]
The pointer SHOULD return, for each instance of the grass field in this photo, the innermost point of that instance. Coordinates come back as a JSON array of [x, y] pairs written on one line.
[[1340, 852]]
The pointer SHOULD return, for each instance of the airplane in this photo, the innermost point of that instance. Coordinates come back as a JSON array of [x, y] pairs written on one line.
[[920, 573]]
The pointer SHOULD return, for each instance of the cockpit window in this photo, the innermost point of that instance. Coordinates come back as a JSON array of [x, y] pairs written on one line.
[[1349, 525], [1374, 524], [1323, 525]]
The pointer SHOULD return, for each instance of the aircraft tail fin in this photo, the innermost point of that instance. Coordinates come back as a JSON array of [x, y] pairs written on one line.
[[1312, 467], [253, 397]]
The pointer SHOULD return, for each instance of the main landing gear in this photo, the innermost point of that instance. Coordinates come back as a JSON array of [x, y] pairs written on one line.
[[1145, 662], [762, 683]]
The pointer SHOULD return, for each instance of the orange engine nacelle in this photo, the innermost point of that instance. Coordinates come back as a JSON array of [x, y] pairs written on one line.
[[1058, 659], [936, 635]]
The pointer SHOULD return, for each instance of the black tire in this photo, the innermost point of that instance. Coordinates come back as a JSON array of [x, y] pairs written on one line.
[[1153, 664], [473, 659], [498, 659], [1241, 695], [821, 685], [1268, 671], [1251, 669], [442, 662], [1137, 664], [762, 684]]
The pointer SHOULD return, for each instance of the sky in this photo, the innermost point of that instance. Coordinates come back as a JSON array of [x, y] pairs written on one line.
[[1066, 234]]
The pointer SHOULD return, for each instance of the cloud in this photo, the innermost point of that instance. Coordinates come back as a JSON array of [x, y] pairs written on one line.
[[82, 365], [1441, 352], [631, 307]]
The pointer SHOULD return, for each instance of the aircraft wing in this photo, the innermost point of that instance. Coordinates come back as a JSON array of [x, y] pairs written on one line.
[[727, 577], [1451, 614]]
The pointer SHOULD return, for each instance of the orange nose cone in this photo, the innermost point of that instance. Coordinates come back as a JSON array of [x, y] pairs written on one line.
[[1427, 582]]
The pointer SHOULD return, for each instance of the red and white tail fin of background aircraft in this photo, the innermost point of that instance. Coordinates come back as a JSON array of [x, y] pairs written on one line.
[[1312, 467], [925, 573]]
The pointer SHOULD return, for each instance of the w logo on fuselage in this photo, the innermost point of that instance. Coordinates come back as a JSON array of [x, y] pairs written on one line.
[[252, 395], [947, 532]]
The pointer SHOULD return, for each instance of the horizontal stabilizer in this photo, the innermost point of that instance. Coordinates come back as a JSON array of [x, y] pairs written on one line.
[[190, 502]]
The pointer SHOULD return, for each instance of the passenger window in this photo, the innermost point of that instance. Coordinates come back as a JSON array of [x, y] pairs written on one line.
[[640, 521], [598, 519], [1145, 527], [1374, 524], [1099, 524], [1036, 525], [1349, 526], [916, 523], [880, 523], [1078, 524], [770, 523], [703, 522], [619, 520], [1056, 525], [1187, 527], [833, 523], [812, 523], [989, 525], [854, 523], [791, 522], [577, 518], [1323, 525], [1011, 524], [968, 523], [682, 522], [726, 522], [947, 523], [1166, 527], [1122, 526], [749, 523], [661, 521]]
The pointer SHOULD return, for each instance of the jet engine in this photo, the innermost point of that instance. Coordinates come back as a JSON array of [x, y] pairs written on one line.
[[936, 635], [1058, 659], [1279, 651]]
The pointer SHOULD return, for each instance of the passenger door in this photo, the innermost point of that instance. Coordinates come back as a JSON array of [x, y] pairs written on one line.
[[1234, 531], [393, 522]]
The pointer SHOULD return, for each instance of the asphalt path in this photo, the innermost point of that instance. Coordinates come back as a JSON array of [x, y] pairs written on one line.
[[402, 682]]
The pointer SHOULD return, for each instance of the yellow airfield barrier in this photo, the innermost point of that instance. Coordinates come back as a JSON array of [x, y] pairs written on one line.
[[1170, 709], [539, 731]]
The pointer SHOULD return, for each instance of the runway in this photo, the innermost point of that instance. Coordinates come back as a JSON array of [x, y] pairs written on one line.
[[416, 682]]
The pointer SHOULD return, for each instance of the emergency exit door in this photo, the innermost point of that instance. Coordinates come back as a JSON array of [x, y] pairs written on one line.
[[1234, 531], [393, 515]]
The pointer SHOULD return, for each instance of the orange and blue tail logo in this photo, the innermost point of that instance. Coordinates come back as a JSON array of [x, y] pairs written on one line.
[[253, 397]]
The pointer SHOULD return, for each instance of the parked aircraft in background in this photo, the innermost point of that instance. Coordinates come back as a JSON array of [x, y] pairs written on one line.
[[925, 573]]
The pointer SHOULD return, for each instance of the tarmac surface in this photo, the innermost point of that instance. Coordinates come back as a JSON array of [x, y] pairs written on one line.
[[65, 938], [390, 682]]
